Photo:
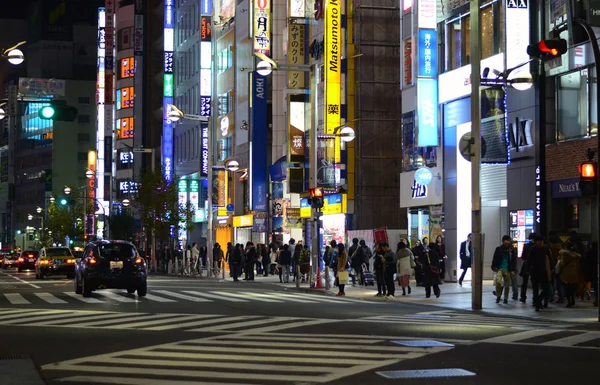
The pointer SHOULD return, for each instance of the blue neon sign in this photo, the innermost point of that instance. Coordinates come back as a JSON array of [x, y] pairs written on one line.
[[427, 53], [427, 104]]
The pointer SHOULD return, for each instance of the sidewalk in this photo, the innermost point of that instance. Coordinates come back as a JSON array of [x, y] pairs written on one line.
[[459, 298]]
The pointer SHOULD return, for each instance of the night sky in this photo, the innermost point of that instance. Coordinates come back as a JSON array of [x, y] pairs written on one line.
[[14, 9]]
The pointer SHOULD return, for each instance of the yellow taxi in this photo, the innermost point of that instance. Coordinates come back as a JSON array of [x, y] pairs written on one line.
[[55, 261]]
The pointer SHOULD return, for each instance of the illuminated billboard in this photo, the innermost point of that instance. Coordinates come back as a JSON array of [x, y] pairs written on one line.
[[205, 65], [262, 26], [167, 138], [91, 195], [125, 128], [333, 70], [126, 68]]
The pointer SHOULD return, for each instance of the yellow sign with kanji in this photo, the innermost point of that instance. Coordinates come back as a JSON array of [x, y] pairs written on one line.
[[296, 54]]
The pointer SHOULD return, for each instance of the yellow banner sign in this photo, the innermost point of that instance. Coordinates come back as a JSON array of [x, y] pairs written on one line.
[[262, 26], [333, 67], [243, 221], [296, 55]]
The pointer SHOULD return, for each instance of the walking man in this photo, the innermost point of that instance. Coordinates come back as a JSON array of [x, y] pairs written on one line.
[[504, 264], [466, 253], [538, 265], [524, 269]]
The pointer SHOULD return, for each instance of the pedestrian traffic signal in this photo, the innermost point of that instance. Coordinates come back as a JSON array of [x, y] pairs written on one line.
[[58, 112], [316, 197], [547, 49], [588, 179]]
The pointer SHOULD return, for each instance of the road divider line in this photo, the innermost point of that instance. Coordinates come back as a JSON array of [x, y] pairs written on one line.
[[294, 298], [127, 318], [28, 319], [24, 314], [182, 296], [170, 318], [213, 318], [21, 280], [50, 298], [125, 323], [16, 299], [214, 296]]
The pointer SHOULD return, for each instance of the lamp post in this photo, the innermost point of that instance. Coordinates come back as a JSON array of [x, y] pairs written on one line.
[[41, 218], [14, 55]]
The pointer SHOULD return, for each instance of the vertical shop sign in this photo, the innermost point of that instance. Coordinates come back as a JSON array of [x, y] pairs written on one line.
[[407, 60], [262, 26], [333, 65], [258, 172], [204, 149], [296, 54], [296, 131], [167, 141]]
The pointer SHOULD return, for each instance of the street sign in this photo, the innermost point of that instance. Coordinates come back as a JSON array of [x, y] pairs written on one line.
[[230, 207], [464, 145]]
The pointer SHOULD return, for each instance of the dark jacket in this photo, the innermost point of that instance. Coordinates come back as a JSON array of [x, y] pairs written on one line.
[[251, 255], [285, 257], [217, 254], [236, 257], [538, 263], [379, 261], [524, 255], [430, 258], [466, 261], [499, 255], [440, 249], [356, 256], [390, 262]]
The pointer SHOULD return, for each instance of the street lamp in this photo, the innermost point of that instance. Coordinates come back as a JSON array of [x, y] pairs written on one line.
[[39, 210], [125, 202], [175, 114], [232, 165], [67, 190], [89, 174], [13, 54]]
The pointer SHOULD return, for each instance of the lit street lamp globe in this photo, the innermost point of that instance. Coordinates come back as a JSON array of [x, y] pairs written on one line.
[[89, 174], [30, 217], [520, 80], [264, 68], [2, 114], [67, 190], [126, 202], [15, 57], [39, 210], [233, 165], [347, 134]]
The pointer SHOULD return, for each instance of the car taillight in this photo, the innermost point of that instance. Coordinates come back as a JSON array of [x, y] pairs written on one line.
[[70, 261], [92, 261], [45, 262], [21, 259], [139, 260]]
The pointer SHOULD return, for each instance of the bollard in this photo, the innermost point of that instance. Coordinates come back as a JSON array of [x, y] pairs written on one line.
[[176, 265], [327, 281], [297, 275]]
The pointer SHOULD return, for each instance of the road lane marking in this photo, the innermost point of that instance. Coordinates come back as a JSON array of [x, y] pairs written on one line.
[[573, 340], [130, 321], [173, 318], [214, 296], [116, 296], [294, 298], [213, 318], [511, 338], [50, 298], [42, 316], [243, 324], [79, 320], [79, 297], [16, 299], [140, 381], [21, 280], [182, 296], [245, 296], [157, 298]]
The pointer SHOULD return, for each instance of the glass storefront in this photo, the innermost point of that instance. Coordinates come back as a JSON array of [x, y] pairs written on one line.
[[425, 222]]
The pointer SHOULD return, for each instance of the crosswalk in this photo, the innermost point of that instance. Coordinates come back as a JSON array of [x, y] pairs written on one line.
[[248, 359], [582, 339], [213, 323], [451, 317], [172, 296]]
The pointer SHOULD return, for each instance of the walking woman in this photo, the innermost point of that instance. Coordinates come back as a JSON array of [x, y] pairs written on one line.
[[342, 269], [431, 277], [405, 264], [440, 248], [569, 271]]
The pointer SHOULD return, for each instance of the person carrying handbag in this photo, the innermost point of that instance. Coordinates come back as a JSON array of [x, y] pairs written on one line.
[[430, 261], [404, 267]]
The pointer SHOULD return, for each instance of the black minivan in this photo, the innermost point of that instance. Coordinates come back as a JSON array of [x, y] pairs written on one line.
[[111, 265]]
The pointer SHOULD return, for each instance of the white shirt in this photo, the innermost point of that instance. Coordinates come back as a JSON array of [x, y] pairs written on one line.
[[467, 247]]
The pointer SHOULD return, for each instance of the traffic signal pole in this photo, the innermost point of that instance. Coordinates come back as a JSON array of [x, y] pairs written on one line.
[[477, 268]]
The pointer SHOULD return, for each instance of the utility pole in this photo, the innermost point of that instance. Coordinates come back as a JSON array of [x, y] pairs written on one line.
[[475, 23]]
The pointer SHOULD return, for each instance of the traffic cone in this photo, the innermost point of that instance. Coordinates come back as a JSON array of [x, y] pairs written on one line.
[[319, 282]]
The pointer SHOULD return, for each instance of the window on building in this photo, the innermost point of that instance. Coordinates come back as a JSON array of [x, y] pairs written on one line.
[[83, 119], [82, 156], [414, 157], [83, 137], [224, 148], [225, 102], [84, 100], [576, 106], [457, 41]]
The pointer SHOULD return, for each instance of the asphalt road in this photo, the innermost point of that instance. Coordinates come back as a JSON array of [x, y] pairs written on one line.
[[201, 331]]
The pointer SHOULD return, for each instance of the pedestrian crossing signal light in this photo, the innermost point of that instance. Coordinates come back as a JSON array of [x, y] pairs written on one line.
[[63, 202], [547, 49], [316, 197], [587, 178], [58, 112]]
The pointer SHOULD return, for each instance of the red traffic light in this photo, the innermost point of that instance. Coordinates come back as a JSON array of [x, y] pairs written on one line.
[[547, 49], [316, 192], [587, 170]]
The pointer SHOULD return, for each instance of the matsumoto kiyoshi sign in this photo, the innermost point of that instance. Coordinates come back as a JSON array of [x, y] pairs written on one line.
[[333, 65]]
